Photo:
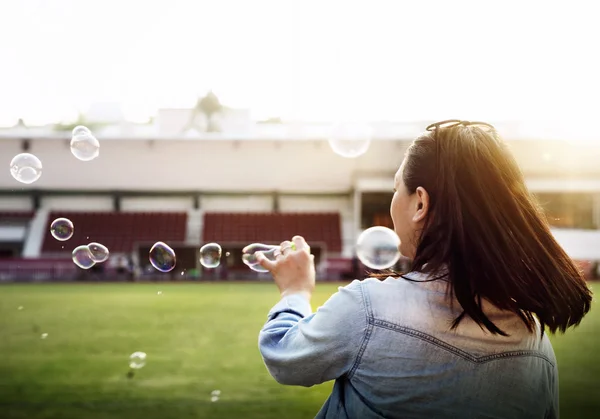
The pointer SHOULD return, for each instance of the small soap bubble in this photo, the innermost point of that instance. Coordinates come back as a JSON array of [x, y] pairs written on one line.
[[210, 255], [82, 257], [162, 257], [99, 252], [20, 308], [137, 360], [377, 248], [26, 168], [227, 254], [44, 335], [62, 229], [350, 140], [84, 145], [250, 259]]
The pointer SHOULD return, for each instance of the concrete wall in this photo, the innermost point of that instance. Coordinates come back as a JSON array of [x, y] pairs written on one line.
[[15, 203], [77, 203], [256, 165], [149, 204], [201, 165], [250, 203]]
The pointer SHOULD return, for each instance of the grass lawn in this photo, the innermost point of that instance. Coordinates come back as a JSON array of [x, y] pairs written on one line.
[[198, 337]]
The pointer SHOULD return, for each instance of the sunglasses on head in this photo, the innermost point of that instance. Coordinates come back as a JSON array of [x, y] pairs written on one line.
[[455, 122]]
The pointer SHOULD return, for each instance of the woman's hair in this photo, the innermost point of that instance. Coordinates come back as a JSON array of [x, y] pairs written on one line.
[[488, 231]]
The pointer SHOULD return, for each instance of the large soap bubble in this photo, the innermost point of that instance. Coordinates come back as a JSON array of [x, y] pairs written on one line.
[[250, 259], [26, 168], [84, 145], [377, 248], [162, 257], [210, 255], [83, 257], [99, 252], [62, 229], [350, 140]]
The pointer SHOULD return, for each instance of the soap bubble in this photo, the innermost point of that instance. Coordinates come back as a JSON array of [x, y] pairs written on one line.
[[62, 229], [377, 248], [85, 146], [80, 130], [250, 259], [99, 252], [162, 257], [210, 255], [214, 395], [26, 168], [137, 360], [44, 335], [83, 257], [350, 140]]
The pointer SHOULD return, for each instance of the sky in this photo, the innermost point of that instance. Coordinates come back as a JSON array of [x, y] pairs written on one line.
[[302, 60]]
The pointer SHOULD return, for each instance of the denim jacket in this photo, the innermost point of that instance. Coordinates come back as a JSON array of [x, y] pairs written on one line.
[[389, 348]]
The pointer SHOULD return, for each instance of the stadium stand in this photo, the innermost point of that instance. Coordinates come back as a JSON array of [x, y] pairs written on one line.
[[119, 231], [36, 270], [21, 216], [272, 228]]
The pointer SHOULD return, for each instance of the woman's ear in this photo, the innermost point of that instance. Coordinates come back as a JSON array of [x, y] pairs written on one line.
[[422, 201]]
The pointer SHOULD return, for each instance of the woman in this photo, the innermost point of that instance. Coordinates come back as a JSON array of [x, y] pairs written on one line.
[[462, 334]]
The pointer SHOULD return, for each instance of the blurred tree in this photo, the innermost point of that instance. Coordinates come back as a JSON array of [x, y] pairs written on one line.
[[273, 120], [209, 106], [68, 126]]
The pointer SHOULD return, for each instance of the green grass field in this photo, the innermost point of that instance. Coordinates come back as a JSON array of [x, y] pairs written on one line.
[[198, 337]]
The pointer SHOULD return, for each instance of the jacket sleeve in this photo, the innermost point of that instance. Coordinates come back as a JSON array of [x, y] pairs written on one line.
[[553, 409], [303, 348]]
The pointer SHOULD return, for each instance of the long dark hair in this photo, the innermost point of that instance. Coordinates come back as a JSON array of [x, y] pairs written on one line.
[[487, 232]]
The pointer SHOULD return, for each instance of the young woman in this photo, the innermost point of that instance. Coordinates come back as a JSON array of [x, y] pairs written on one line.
[[462, 334]]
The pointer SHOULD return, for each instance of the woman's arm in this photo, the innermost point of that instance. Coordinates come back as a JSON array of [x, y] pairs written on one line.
[[304, 348]]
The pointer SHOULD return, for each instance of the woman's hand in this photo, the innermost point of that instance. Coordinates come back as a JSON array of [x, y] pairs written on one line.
[[292, 270]]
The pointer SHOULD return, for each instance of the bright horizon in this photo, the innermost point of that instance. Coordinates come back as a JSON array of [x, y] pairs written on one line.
[[302, 60]]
